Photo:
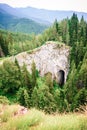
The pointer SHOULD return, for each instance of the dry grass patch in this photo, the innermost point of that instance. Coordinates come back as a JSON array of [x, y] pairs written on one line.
[[37, 120], [64, 122]]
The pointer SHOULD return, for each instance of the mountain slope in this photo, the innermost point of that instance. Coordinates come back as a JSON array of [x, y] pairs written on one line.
[[41, 15], [15, 24], [49, 15], [23, 13]]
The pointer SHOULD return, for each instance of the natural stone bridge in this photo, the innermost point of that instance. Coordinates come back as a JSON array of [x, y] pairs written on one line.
[[51, 57]]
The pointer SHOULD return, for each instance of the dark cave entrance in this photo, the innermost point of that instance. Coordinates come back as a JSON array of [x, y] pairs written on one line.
[[61, 77]]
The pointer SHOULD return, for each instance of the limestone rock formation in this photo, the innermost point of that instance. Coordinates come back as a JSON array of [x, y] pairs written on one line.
[[51, 57]]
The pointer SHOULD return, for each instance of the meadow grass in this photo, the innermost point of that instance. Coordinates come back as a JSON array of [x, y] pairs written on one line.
[[37, 120], [64, 122]]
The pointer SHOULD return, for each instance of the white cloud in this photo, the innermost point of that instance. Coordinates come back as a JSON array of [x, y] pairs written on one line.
[[77, 5]]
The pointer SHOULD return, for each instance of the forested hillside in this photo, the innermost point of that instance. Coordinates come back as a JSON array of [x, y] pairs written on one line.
[[15, 43], [31, 90], [22, 25]]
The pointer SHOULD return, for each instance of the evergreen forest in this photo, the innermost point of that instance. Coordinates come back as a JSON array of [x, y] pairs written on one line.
[[18, 85]]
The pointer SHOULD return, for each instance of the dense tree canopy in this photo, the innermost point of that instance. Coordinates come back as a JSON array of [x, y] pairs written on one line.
[[31, 90]]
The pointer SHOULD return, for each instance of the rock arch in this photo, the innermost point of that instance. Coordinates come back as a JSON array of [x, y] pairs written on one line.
[[51, 57]]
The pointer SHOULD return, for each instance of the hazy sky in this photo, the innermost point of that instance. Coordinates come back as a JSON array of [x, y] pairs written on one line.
[[76, 5]]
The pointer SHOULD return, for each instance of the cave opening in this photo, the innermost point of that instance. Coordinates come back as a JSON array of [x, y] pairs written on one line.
[[61, 77]]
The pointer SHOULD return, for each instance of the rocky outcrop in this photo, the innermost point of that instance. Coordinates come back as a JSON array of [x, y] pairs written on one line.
[[51, 57]]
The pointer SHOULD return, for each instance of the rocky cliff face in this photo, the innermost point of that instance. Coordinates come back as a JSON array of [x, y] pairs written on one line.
[[51, 57]]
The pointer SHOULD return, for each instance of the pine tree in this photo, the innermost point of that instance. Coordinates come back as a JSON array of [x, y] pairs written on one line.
[[4, 45], [56, 26], [17, 64], [86, 35], [73, 29], [64, 25], [10, 76], [26, 98], [23, 97], [43, 99], [82, 31], [70, 86], [33, 69], [82, 75], [49, 81], [26, 80], [77, 53]]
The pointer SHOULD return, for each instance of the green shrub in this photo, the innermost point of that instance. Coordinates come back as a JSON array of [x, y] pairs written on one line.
[[80, 98], [4, 100], [61, 102], [25, 122], [23, 97], [43, 99]]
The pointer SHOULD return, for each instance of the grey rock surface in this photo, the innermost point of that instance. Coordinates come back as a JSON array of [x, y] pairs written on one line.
[[50, 57]]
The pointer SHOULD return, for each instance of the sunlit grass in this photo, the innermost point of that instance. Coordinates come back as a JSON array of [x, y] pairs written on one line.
[[63, 122], [37, 120], [24, 122]]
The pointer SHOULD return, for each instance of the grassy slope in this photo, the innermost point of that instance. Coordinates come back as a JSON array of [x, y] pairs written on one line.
[[37, 120]]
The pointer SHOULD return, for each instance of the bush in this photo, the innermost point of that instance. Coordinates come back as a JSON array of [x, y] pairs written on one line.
[[23, 97], [80, 98], [4, 100], [61, 102], [43, 99]]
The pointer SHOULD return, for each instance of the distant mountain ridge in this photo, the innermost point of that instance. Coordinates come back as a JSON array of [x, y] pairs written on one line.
[[31, 20], [41, 15], [22, 14], [16, 24]]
